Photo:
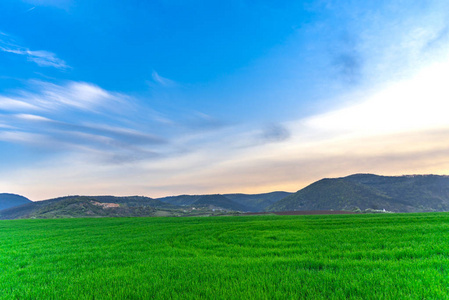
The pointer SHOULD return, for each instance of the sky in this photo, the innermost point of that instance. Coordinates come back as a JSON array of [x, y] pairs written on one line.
[[170, 97]]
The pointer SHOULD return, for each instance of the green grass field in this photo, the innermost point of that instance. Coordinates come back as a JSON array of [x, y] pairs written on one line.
[[391, 256]]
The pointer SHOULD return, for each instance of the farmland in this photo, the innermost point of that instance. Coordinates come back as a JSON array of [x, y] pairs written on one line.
[[389, 256]]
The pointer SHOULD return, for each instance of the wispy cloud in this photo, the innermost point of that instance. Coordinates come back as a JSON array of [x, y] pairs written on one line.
[[80, 117], [30, 9], [80, 95], [40, 57], [45, 59], [165, 82], [46, 96], [10, 104], [29, 138]]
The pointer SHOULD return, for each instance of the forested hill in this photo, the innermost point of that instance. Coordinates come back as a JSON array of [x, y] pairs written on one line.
[[10, 200], [87, 206], [410, 193]]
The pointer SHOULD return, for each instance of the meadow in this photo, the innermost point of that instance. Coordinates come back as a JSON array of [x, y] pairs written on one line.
[[377, 256]]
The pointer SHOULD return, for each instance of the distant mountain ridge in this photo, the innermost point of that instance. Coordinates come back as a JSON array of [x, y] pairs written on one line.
[[408, 193], [11, 200], [218, 202], [181, 200], [243, 202], [257, 202]]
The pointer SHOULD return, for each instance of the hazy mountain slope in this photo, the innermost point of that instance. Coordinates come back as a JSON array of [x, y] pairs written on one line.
[[399, 194], [251, 202], [12, 200], [181, 200], [257, 202], [218, 201]]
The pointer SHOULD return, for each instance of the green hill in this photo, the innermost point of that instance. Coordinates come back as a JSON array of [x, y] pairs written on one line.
[[84, 206], [12, 200], [366, 191]]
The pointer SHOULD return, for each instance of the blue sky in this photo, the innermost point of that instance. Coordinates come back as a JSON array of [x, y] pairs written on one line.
[[169, 97]]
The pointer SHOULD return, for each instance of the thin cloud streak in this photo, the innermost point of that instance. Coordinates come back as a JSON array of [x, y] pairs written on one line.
[[49, 97], [9, 104], [165, 82], [41, 57]]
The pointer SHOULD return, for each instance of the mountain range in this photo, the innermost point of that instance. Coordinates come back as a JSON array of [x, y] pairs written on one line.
[[358, 192]]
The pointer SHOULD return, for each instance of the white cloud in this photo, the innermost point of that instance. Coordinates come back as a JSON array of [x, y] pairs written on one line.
[[41, 57], [45, 96], [6, 126], [418, 103], [77, 117], [22, 137], [79, 95], [162, 80], [46, 59], [30, 117], [10, 104]]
